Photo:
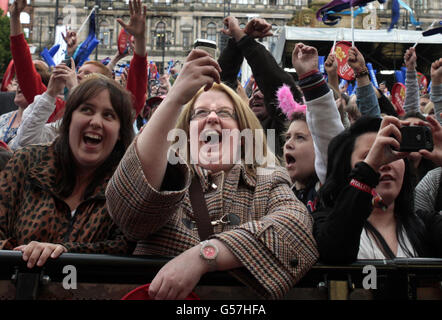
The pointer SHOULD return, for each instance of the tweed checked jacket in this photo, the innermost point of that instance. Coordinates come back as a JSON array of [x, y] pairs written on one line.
[[274, 228]]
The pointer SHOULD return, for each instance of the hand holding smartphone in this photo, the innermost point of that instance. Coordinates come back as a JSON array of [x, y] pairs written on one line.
[[415, 138], [207, 45]]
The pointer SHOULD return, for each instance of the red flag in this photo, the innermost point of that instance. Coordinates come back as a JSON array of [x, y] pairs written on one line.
[[423, 82], [341, 52], [124, 40], [398, 97]]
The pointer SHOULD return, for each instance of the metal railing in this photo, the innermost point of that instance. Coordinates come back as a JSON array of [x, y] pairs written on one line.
[[398, 279]]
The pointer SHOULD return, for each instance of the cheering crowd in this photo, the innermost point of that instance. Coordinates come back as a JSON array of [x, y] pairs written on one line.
[[86, 162]]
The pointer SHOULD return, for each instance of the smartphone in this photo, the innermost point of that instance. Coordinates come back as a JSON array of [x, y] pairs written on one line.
[[67, 62], [207, 45], [415, 138]]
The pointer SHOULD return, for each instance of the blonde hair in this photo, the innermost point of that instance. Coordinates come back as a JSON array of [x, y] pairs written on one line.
[[429, 107], [245, 118]]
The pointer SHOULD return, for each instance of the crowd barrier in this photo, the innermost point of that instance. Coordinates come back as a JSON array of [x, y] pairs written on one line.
[[111, 277]]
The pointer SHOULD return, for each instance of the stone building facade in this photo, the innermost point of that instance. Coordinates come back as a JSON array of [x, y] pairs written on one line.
[[173, 25]]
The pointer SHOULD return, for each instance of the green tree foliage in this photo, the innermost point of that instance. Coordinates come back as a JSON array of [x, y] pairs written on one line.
[[5, 50]]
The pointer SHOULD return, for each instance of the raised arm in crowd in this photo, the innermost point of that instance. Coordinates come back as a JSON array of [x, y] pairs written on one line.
[[269, 76], [35, 130], [265, 240]]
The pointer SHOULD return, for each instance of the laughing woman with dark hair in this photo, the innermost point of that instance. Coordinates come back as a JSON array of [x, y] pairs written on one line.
[[52, 196], [366, 201]]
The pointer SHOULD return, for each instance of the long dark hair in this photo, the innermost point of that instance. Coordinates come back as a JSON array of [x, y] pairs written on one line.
[[338, 170], [121, 103]]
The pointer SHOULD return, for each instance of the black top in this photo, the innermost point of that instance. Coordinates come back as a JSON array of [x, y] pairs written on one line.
[[309, 195], [338, 230]]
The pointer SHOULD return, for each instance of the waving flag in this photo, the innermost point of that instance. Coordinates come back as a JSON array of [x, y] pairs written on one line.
[[327, 13], [395, 13], [48, 55], [87, 46], [59, 56], [432, 31]]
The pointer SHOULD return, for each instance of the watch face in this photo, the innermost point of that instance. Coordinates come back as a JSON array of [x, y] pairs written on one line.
[[209, 252]]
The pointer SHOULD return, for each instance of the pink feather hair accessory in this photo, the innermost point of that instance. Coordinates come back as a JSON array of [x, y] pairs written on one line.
[[287, 104]]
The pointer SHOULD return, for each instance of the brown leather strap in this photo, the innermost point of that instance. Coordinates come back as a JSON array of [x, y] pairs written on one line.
[[205, 228]]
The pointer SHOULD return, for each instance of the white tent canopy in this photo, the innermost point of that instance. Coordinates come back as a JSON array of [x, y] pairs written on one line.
[[360, 35]]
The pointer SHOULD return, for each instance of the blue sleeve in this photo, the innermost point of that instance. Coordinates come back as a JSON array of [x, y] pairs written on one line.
[[367, 101]]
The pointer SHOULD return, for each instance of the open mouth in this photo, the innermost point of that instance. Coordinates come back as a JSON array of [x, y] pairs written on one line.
[[289, 159], [386, 177], [92, 139], [211, 137]]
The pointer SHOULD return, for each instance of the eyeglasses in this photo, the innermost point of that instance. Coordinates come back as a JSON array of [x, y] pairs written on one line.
[[199, 114]]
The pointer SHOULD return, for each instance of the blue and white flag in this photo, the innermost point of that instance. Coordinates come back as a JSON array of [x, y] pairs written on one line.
[[83, 51]]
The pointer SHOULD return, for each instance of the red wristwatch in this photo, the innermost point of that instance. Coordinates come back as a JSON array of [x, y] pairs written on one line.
[[209, 252]]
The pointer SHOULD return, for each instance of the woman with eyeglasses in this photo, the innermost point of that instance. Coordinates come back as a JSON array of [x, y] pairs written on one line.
[[261, 233]]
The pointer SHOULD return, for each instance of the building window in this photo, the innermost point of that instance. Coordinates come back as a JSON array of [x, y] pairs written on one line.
[[211, 31], [187, 41], [104, 35], [272, 2]]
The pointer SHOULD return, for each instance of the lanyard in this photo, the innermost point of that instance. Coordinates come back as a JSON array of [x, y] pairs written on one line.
[[9, 128]]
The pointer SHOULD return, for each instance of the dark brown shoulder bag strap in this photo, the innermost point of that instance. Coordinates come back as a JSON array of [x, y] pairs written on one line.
[[205, 228]]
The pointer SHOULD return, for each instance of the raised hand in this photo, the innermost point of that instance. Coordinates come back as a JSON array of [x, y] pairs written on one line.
[[331, 65], [232, 28], [387, 139], [137, 26], [410, 59], [304, 59], [17, 7], [436, 129], [66, 75], [356, 60], [258, 28], [199, 70], [137, 22], [71, 40], [56, 83], [436, 72]]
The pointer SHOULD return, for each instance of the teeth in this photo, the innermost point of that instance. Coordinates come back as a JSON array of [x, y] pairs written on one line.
[[93, 136]]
